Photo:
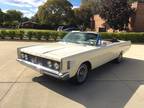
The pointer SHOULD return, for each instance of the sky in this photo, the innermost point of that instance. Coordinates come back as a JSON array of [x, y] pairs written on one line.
[[27, 7]]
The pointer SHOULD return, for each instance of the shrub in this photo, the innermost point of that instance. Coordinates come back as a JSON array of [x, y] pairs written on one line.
[[3, 34], [62, 34], [20, 34], [8, 33], [29, 34], [106, 35], [54, 35], [11, 33], [46, 35], [135, 37], [38, 35]]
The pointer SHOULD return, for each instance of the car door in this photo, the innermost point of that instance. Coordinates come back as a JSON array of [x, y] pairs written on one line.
[[101, 54]]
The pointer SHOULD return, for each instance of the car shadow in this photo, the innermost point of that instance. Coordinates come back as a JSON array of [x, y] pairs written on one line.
[[109, 86]]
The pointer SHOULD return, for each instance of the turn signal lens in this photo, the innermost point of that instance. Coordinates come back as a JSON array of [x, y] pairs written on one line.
[[22, 56], [49, 63], [56, 66], [26, 57]]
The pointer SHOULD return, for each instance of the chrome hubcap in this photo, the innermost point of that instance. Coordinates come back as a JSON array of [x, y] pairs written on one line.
[[82, 73]]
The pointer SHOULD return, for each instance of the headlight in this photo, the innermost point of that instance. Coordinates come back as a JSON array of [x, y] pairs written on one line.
[[25, 56], [49, 63], [22, 56], [56, 66]]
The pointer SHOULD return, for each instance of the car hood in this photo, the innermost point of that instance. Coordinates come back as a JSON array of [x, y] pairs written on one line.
[[57, 50]]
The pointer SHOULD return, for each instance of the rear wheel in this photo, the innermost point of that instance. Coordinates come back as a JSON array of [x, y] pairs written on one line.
[[81, 74]]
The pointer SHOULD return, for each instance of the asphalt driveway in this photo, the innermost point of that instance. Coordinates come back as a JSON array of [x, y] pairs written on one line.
[[109, 86]]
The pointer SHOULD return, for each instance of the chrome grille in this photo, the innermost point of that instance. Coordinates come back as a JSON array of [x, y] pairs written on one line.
[[38, 60]]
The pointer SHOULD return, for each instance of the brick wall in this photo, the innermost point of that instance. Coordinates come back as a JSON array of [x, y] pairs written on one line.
[[136, 22], [139, 18]]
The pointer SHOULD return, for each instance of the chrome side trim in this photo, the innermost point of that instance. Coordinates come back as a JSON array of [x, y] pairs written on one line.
[[45, 70]]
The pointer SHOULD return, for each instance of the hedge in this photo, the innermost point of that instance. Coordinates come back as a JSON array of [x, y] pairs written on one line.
[[11, 34], [31, 34], [135, 37]]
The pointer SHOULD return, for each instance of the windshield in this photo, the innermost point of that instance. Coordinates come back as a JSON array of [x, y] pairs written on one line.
[[80, 38]]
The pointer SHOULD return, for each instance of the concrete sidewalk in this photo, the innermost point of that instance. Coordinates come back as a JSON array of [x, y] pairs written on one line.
[[109, 86], [137, 100]]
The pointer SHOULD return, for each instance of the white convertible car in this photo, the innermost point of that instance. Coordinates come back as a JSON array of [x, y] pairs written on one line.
[[73, 57]]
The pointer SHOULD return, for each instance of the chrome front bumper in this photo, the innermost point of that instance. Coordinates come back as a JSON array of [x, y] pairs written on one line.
[[45, 70]]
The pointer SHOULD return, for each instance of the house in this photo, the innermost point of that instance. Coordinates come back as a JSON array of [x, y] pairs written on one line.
[[136, 22], [28, 24]]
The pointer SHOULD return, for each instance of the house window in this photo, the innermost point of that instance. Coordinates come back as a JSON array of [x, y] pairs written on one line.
[[102, 29]]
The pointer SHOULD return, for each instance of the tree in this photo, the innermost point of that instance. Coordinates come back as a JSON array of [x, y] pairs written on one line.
[[116, 13], [141, 1], [1, 17], [131, 1], [82, 17], [55, 12], [35, 18], [85, 12], [24, 19], [13, 15]]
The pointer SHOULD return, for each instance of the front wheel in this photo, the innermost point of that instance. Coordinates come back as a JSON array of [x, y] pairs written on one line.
[[81, 74], [119, 58]]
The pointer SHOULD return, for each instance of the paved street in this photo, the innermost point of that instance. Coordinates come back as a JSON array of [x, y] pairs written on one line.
[[109, 86]]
